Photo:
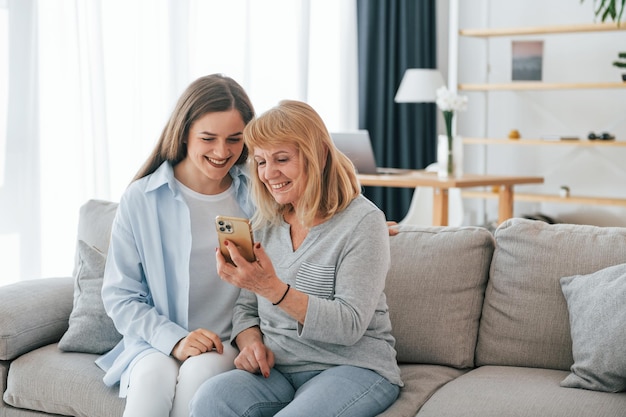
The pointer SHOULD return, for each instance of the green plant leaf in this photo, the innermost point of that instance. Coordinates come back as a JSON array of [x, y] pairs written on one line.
[[621, 11], [609, 9]]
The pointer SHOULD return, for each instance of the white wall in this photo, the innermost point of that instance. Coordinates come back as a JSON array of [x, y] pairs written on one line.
[[576, 57]]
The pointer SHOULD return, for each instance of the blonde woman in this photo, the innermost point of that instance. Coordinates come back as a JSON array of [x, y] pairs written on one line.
[[311, 322]]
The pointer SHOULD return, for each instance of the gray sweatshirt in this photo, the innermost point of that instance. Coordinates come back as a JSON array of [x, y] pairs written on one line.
[[342, 264]]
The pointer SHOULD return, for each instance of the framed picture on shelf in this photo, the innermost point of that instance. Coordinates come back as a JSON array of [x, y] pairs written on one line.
[[527, 60]]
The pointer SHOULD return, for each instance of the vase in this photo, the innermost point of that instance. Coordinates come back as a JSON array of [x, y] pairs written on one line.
[[449, 159]]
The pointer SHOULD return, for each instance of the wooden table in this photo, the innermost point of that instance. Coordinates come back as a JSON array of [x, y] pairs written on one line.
[[417, 178]]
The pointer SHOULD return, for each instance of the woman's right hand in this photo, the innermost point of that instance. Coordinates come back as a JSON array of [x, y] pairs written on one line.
[[254, 356], [197, 342]]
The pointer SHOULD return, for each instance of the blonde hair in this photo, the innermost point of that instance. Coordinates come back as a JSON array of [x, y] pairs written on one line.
[[331, 179], [208, 94]]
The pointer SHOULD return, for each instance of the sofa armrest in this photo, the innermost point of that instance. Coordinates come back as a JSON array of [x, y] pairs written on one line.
[[33, 313]]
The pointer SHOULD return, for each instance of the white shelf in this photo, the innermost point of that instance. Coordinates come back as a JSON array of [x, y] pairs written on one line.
[[542, 142], [533, 85], [549, 198]]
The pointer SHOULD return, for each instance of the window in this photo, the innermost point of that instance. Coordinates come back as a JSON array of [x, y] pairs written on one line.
[[9, 240], [4, 85], [108, 74]]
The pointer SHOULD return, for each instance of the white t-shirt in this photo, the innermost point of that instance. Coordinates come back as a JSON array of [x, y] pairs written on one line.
[[211, 299]]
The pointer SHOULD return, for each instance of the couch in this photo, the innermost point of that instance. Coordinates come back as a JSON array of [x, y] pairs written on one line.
[[527, 321]]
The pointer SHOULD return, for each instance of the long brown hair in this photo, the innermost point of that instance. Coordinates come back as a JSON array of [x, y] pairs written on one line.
[[331, 179], [208, 94]]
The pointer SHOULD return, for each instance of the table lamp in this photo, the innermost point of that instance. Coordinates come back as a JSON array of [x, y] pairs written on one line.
[[419, 85]]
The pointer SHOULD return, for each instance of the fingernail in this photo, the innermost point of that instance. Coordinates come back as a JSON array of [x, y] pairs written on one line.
[[258, 245]]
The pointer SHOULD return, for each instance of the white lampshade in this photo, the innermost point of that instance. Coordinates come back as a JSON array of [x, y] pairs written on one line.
[[419, 85]]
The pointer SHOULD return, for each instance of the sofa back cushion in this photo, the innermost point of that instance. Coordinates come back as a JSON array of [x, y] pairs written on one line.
[[94, 226], [525, 320], [435, 290]]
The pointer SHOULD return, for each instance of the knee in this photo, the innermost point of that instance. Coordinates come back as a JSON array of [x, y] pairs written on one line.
[[155, 367], [151, 386], [206, 397], [205, 366]]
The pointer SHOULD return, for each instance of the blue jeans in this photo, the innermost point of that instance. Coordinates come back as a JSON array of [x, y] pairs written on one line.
[[344, 391]]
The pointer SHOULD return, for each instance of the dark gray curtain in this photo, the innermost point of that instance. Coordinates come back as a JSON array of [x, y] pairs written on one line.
[[394, 35]]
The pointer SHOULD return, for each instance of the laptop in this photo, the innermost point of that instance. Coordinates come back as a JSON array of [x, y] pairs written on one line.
[[357, 146]]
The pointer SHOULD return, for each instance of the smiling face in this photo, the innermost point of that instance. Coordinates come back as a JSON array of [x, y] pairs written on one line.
[[282, 171], [214, 143]]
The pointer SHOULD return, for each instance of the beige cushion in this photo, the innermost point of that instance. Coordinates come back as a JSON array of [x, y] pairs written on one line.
[[435, 290], [420, 383], [503, 391], [525, 319], [66, 383]]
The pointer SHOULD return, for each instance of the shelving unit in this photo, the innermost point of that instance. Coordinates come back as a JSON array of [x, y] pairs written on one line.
[[533, 86]]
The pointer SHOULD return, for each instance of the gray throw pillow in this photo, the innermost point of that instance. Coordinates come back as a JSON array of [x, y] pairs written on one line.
[[597, 311], [90, 330]]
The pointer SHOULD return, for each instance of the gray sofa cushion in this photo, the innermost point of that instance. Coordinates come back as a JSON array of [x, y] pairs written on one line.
[[23, 327], [91, 330], [4, 371], [435, 289], [420, 383], [597, 311], [525, 320], [94, 226], [496, 391], [65, 383]]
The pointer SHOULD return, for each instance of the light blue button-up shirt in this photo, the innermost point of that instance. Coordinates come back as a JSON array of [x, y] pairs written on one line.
[[146, 278]]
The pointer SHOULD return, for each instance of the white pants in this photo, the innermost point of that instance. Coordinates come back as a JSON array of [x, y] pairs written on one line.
[[161, 386]]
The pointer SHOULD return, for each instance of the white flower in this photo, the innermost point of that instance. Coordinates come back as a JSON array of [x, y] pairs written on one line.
[[450, 101]]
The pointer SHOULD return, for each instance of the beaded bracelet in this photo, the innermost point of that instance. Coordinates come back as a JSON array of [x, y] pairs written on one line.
[[283, 297]]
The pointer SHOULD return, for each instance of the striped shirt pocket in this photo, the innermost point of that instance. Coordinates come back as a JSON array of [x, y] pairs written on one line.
[[316, 280]]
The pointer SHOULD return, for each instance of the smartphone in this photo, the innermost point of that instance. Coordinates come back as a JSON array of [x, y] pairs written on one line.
[[238, 231]]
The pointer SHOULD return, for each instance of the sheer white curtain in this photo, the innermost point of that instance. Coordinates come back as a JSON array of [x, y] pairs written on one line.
[[107, 73]]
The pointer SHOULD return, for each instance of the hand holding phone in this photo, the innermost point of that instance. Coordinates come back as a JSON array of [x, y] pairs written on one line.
[[238, 231]]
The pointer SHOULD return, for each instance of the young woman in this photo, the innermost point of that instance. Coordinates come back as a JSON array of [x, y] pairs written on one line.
[[160, 286], [311, 322]]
